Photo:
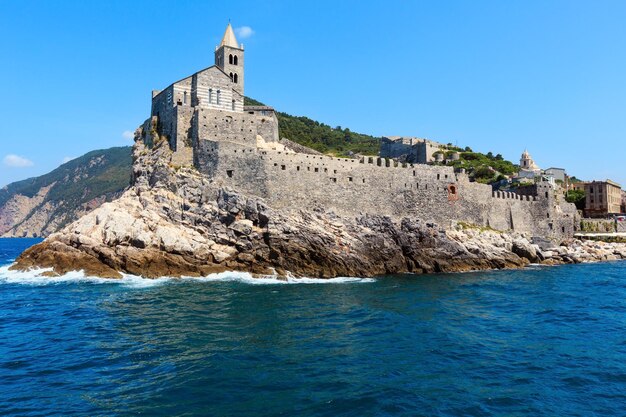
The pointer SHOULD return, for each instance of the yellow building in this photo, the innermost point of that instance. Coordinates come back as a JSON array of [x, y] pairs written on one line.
[[602, 198]]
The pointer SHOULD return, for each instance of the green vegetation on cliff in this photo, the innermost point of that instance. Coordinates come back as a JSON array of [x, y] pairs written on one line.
[[577, 197], [101, 174], [321, 137], [89, 176], [485, 168]]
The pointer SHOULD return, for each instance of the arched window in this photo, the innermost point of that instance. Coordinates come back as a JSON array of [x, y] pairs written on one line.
[[218, 97], [231, 76], [235, 60], [230, 58], [210, 95], [185, 97], [233, 105], [235, 78]]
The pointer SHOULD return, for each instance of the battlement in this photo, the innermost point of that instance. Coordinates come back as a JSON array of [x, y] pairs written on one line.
[[207, 125]]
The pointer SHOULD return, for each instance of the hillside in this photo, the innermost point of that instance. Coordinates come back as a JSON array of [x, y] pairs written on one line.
[[41, 205], [486, 168], [321, 137]]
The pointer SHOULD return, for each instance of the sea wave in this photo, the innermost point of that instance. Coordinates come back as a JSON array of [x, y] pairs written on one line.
[[38, 277]]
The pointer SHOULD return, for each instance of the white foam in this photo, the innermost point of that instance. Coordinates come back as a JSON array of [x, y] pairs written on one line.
[[36, 277]]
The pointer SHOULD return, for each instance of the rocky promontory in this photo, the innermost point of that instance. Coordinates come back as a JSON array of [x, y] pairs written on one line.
[[174, 222]]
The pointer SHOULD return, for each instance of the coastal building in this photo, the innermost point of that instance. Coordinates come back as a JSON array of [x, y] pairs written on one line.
[[602, 198], [210, 104], [413, 150], [557, 173], [204, 120]]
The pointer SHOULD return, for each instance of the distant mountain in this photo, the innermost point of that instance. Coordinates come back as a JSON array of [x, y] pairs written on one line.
[[42, 205]]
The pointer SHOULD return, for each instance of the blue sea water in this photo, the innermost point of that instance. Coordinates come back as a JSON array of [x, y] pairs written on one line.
[[539, 341]]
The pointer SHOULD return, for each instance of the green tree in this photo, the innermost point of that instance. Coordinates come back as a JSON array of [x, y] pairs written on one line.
[[577, 197]]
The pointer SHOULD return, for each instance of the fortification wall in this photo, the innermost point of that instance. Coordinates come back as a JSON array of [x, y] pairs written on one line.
[[241, 128], [380, 186], [390, 148]]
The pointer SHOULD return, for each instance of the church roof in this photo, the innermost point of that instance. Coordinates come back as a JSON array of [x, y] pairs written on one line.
[[229, 38]]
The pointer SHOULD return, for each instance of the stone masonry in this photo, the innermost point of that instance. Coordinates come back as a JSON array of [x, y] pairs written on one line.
[[207, 126]]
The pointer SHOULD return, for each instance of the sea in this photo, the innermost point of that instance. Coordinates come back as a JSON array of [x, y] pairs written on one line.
[[540, 341]]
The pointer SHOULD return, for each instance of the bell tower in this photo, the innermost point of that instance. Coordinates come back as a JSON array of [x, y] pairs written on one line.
[[229, 57]]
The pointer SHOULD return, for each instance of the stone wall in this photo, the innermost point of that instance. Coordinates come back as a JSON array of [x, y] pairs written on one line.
[[380, 186], [413, 150]]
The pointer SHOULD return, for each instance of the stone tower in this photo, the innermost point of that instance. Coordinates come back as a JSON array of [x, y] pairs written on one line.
[[229, 58], [526, 162]]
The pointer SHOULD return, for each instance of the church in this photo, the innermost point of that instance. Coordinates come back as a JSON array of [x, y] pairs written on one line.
[[210, 105]]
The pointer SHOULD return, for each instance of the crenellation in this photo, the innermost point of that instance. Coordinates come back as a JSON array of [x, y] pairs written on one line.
[[239, 147]]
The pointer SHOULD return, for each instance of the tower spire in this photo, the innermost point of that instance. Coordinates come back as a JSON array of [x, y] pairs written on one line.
[[229, 38]]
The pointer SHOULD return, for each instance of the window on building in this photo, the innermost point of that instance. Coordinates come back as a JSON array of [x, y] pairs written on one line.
[[229, 172], [231, 76], [236, 79], [230, 58], [235, 60], [233, 105], [210, 95], [185, 97], [217, 97]]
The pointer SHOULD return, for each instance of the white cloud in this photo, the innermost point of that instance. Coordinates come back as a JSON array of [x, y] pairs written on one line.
[[68, 158], [16, 161], [127, 134], [244, 32]]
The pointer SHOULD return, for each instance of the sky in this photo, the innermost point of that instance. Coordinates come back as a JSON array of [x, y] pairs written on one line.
[[501, 76]]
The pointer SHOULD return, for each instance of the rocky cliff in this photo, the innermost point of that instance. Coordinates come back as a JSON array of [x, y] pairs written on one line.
[[43, 205], [174, 222]]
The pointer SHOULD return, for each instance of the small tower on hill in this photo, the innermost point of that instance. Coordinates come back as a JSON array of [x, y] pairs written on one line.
[[229, 58], [526, 162]]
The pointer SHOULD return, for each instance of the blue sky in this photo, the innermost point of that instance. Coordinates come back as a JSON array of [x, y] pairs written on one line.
[[497, 76]]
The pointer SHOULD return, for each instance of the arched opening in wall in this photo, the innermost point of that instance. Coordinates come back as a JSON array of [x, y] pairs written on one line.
[[217, 97], [548, 215], [563, 229], [236, 78], [235, 60], [230, 58], [233, 105], [546, 194], [231, 76], [210, 95], [185, 97]]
